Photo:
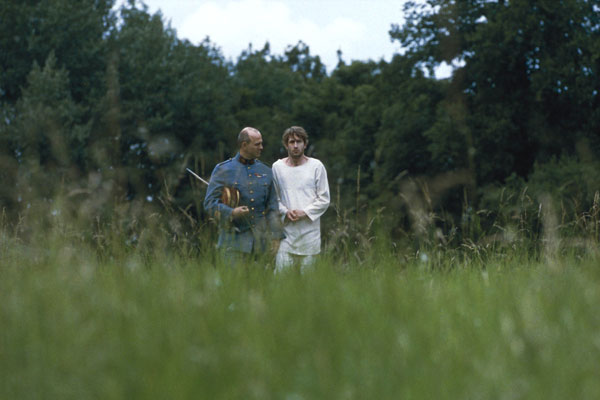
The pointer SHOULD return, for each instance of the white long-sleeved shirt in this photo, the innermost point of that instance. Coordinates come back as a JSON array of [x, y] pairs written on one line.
[[303, 187]]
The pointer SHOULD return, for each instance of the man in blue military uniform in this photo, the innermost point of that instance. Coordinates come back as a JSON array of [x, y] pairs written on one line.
[[253, 225]]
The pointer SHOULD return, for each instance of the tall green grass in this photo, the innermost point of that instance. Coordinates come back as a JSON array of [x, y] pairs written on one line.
[[155, 324], [141, 306]]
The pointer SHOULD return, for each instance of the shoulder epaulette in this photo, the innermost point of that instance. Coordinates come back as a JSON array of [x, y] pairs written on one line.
[[224, 162]]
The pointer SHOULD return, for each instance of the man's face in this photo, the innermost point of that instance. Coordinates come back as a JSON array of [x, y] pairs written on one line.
[[254, 147], [295, 146]]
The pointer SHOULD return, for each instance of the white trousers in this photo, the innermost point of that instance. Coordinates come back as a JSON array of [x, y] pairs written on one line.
[[285, 260]]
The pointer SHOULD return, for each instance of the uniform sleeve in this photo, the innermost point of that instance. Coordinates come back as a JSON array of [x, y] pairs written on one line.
[[212, 203], [321, 202]]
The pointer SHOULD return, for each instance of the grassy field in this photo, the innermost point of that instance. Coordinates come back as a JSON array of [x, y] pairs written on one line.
[[76, 325]]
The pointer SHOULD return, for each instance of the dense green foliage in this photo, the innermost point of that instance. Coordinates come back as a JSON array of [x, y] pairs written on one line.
[[98, 103]]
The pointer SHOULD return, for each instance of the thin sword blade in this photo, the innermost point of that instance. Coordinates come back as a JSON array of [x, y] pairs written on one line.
[[197, 176]]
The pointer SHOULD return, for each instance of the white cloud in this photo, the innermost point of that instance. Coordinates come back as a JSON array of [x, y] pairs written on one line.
[[232, 25], [359, 28]]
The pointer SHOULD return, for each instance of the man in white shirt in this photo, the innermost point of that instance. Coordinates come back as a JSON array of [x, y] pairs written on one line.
[[303, 195]]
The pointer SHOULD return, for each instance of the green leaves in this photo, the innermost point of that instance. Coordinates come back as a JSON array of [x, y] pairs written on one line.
[[527, 75], [123, 100], [48, 126]]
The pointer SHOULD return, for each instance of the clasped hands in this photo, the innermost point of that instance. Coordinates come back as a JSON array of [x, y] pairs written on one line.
[[295, 215]]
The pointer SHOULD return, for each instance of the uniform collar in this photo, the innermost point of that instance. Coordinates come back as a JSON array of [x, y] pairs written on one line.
[[243, 160]]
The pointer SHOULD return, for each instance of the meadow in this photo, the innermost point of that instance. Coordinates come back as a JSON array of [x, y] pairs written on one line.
[[96, 317], [461, 250]]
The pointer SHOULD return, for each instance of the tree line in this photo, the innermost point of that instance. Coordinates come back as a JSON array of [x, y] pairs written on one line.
[[104, 106]]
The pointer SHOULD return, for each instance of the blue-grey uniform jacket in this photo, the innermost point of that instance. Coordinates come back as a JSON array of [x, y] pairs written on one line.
[[255, 184]]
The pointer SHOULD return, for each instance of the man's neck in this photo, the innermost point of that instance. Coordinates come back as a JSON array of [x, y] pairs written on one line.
[[296, 161]]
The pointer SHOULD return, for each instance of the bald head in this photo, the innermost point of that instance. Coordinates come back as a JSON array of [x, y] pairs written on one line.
[[250, 143], [245, 135]]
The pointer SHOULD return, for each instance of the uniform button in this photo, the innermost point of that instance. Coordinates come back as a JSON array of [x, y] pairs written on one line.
[[252, 200], [249, 174], [252, 191], [252, 208], [249, 183], [248, 167]]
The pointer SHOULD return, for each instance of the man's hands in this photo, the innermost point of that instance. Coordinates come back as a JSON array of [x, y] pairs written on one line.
[[292, 215], [295, 215], [239, 212]]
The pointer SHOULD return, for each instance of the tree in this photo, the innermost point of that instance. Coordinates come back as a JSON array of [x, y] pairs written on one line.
[[353, 104], [299, 59], [267, 87], [73, 31], [47, 136], [528, 75], [167, 101], [404, 142]]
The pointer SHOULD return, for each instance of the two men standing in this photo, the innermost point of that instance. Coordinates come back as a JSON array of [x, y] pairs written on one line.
[[295, 192]]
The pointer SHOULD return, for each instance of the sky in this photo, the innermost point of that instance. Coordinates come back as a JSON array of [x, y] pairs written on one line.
[[359, 28]]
